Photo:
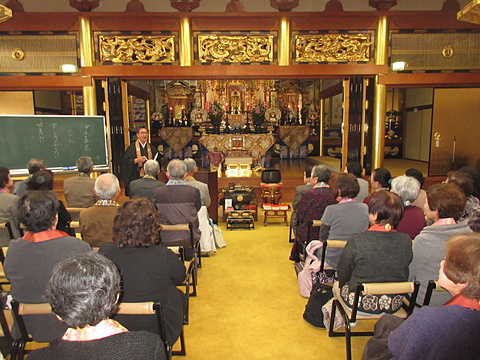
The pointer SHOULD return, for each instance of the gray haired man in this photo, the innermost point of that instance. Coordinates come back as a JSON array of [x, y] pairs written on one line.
[[78, 189], [96, 222], [145, 186]]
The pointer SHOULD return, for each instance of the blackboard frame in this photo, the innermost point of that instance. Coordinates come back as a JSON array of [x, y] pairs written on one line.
[[59, 139]]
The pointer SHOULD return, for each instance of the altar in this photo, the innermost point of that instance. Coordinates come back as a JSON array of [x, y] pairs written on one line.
[[256, 146]]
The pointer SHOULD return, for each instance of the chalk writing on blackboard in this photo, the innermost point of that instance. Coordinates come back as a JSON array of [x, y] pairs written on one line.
[[87, 131], [40, 132], [56, 152]]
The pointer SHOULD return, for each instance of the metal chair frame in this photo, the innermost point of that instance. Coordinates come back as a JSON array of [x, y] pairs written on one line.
[[351, 316], [192, 265]]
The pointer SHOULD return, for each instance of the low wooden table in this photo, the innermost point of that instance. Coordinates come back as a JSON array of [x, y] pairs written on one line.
[[275, 214]]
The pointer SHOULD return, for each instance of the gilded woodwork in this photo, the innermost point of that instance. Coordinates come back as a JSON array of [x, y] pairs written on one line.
[[235, 49], [5, 13], [332, 47], [470, 13], [137, 49]]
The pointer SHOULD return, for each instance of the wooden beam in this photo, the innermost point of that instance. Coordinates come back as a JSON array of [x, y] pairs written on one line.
[[234, 71], [43, 82], [430, 80]]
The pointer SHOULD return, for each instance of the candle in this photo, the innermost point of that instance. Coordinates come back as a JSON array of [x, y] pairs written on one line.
[[248, 106], [226, 107]]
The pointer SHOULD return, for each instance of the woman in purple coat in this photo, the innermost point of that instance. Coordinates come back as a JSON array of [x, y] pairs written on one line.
[[311, 207]]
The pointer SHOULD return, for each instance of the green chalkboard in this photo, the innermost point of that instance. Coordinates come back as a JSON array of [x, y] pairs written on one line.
[[59, 140]]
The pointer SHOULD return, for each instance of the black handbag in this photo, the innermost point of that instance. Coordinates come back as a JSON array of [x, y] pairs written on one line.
[[313, 310]]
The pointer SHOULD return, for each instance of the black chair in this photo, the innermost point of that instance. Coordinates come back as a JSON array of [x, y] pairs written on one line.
[[191, 265], [350, 316], [432, 286], [152, 308], [18, 310]]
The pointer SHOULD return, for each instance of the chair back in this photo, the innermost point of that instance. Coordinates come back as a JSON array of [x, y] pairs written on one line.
[[387, 288], [148, 308], [75, 212], [431, 287], [333, 244], [6, 233]]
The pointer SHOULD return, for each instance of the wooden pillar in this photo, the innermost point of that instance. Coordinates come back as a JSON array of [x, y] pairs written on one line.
[[379, 106], [186, 54], [284, 42], [87, 59]]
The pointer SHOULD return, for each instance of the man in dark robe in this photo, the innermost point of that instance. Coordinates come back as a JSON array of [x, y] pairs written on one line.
[[135, 156]]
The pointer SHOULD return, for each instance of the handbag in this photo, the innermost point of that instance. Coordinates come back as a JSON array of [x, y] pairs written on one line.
[[319, 296]]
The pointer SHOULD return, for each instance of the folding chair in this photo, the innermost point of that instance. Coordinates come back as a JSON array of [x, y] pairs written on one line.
[[75, 212], [431, 287], [6, 233], [152, 308], [18, 309], [191, 265], [351, 316], [311, 224], [3, 277]]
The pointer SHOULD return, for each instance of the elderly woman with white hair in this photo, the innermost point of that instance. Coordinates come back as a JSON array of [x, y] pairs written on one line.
[[413, 220]]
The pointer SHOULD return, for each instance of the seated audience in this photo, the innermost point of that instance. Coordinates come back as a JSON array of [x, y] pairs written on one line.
[[83, 292], [33, 166], [381, 254], [8, 205], [311, 207], [96, 221], [178, 203], [348, 217], [299, 190], [413, 220], [444, 202], [190, 180], [43, 180], [476, 179], [30, 260], [207, 241], [150, 272], [422, 195], [441, 333], [356, 170], [145, 186], [78, 189], [471, 213], [379, 180]]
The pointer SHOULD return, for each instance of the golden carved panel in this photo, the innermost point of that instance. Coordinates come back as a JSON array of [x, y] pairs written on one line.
[[235, 48], [137, 49], [332, 47]]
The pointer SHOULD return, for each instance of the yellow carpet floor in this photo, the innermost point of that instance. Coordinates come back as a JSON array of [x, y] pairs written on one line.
[[249, 307]]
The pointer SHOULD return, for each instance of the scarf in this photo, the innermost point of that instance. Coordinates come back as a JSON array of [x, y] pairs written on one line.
[[44, 235], [139, 153], [103, 329]]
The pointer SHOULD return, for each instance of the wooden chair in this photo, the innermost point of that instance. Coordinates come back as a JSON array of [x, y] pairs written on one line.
[[152, 308], [191, 265], [350, 316]]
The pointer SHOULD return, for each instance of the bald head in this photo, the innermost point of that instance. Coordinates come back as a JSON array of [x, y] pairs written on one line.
[[107, 186]]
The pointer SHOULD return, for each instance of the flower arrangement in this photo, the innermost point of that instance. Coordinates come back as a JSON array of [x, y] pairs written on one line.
[[215, 113], [258, 113]]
